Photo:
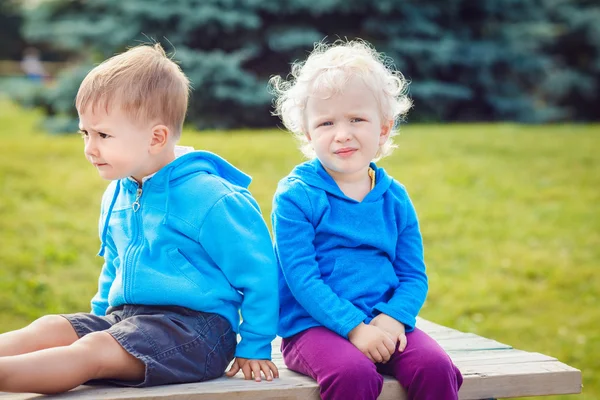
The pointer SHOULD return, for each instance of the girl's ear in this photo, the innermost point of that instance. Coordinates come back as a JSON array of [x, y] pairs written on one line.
[[386, 129], [160, 137]]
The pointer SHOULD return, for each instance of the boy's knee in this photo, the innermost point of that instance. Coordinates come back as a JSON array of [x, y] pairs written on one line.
[[99, 342], [97, 346], [50, 323], [108, 359], [104, 346]]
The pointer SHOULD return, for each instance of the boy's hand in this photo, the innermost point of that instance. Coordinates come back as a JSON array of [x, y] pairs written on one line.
[[392, 327], [373, 342], [253, 367]]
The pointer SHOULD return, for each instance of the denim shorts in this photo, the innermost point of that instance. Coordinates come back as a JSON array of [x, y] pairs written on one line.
[[176, 344]]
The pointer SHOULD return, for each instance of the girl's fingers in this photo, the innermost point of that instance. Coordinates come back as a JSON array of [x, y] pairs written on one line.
[[403, 341]]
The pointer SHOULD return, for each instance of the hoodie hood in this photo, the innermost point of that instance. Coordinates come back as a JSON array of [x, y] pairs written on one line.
[[314, 174], [188, 163], [199, 161]]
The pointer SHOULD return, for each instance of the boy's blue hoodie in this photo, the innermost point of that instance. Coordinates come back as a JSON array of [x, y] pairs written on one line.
[[197, 240], [342, 262]]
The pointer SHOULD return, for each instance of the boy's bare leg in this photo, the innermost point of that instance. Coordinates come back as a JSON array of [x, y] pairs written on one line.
[[43, 333], [95, 356]]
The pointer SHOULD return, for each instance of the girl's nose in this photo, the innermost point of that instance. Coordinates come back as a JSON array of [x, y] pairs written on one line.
[[342, 134]]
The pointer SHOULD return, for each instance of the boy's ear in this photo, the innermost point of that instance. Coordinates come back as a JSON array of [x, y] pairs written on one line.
[[160, 136], [386, 129]]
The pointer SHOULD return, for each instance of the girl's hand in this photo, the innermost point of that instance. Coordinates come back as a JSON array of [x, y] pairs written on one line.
[[254, 367], [373, 342], [392, 327]]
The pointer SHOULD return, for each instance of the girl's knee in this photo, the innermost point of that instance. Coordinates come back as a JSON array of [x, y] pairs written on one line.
[[353, 381], [437, 366], [363, 378]]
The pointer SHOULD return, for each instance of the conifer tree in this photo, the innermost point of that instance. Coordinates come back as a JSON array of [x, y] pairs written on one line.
[[528, 61]]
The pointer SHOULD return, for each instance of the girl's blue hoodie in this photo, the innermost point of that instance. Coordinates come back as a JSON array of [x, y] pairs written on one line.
[[342, 262], [191, 235]]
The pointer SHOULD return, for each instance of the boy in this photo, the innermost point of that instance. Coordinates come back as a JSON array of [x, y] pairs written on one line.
[[184, 244]]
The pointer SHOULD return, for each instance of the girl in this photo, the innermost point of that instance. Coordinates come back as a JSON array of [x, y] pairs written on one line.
[[352, 277]]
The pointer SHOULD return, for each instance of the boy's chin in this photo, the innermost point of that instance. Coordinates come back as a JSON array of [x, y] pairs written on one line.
[[110, 177]]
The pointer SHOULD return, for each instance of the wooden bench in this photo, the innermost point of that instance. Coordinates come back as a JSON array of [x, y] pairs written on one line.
[[490, 369]]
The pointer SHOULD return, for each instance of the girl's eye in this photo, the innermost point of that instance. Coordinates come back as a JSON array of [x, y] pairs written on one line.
[[102, 135], [83, 134], [326, 123], [357, 119]]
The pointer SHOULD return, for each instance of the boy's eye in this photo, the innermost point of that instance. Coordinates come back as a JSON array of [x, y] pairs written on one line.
[[326, 123], [83, 133], [102, 135], [357, 119]]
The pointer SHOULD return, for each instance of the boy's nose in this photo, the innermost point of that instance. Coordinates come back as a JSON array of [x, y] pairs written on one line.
[[90, 148]]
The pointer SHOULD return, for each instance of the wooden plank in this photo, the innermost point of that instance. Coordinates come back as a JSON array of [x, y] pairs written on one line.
[[290, 385], [528, 379], [432, 327], [490, 370], [510, 357]]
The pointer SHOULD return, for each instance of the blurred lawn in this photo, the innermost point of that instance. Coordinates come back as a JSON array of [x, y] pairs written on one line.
[[510, 216]]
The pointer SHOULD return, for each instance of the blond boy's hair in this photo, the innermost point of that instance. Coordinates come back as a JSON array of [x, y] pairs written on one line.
[[327, 70], [144, 82]]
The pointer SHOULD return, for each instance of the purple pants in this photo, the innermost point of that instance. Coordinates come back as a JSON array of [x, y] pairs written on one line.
[[344, 373]]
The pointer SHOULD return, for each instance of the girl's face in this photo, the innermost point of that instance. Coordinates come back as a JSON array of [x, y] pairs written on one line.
[[346, 130]]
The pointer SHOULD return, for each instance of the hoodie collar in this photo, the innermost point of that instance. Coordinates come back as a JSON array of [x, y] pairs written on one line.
[[314, 174], [188, 162]]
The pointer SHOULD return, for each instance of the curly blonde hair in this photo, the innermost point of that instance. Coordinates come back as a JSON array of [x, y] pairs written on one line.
[[327, 69]]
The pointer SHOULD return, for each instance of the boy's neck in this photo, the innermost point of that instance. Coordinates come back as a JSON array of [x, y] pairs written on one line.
[[157, 163]]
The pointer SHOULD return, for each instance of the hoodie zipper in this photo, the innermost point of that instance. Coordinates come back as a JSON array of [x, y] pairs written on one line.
[[128, 267], [136, 203]]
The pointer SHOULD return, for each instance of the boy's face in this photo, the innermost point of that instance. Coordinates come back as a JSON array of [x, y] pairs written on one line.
[[346, 130], [115, 144]]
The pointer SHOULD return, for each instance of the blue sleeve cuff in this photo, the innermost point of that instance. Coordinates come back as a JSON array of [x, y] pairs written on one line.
[[353, 323], [254, 348], [407, 319]]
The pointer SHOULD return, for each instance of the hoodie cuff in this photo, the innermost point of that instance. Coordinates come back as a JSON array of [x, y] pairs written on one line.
[[256, 348], [408, 320], [353, 323]]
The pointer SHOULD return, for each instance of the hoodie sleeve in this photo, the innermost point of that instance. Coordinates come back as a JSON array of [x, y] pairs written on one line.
[[107, 274], [409, 296], [236, 237], [294, 235]]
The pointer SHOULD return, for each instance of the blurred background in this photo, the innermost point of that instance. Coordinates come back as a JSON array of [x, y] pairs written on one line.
[[490, 60], [499, 153]]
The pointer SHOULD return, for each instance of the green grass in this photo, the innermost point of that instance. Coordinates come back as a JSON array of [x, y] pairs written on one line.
[[510, 216]]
